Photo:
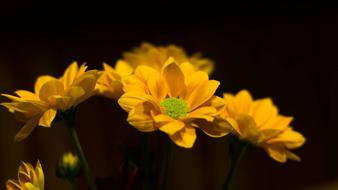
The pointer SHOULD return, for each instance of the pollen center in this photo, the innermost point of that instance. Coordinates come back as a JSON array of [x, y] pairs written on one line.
[[175, 107]]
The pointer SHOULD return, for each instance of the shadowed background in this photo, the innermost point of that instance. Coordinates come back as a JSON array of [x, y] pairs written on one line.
[[284, 51]]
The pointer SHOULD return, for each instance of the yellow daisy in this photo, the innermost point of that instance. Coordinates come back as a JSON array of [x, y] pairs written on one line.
[[51, 95], [259, 123], [173, 100], [155, 56], [28, 178]]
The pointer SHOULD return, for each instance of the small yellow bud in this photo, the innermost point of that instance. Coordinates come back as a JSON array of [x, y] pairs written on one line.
[[68, 166]]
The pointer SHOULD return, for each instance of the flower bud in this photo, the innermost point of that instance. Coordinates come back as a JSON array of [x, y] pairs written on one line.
[[68, 166]]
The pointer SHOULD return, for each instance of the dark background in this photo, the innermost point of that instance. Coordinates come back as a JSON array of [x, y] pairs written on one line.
[[283, 50]]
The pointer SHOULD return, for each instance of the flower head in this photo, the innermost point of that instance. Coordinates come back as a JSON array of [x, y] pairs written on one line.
[[68, 166], [175, 100], [51, 95], [29, 178], [110, 85], [259, 123]]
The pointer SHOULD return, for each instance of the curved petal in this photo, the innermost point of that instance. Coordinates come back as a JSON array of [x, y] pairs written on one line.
[[141, 117], [202, 93], [263, 110], [47, 118], [70, 74], [277, 153], [129, 100], [290, 138], [184, 138], [174, 78], [157, 87], [205, 112], [123, 68], [50, 88], [12, 185], [172, 127], [143, 72], [27, 129], [40, 175], [243, 102], [217, 128], [26, 95], [41, 81], [193, 80]]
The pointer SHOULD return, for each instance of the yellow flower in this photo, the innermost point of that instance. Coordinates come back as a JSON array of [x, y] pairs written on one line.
[[109, 84], [28, 178], [174, 100], [51, 95], [68, 166], [259, 123], [150, 55]]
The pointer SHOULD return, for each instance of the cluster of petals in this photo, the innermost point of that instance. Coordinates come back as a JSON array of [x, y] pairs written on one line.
[[258, 122], [50, 96], [176, 100], [110, 84], [29, 178]]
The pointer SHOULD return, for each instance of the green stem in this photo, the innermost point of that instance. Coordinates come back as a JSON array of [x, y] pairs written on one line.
[[75, 139], [234, 164], [167, 165]]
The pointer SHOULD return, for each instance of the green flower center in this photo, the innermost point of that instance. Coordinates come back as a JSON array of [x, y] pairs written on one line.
[[175, 107]]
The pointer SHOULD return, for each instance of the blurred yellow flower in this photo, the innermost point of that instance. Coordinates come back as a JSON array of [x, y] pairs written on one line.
[[28, 178], [68, 166], [110, 85], [171, 100], [259, 123], [51, 95], [155, 56]]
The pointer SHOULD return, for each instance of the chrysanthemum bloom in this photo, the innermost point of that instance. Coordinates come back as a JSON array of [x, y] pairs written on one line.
[[28, 178], [259, 123], [110, 84], [171, 100], [51, 95], [147, 54]]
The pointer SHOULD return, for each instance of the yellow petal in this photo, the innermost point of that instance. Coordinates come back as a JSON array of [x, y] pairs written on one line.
[[12, 185], [40, 175], [86, 82], [277, 153], [263, 110], [217, 128], [47, 118], [27, 129], [41, 81], [205, 112], [248, 128], [195, 79], [172, 127], [242, 102], [202, 93], [50, 88], [174, 78], [30, 186], [290, 138], [141, 117], [277, 123], [129, 100], [70, 74], [187, 68], [60, 102], [26, 95], [157, 87], [185, 138], [292, 156], [143, 72], [162, 119], [134, 84], [123, 68]]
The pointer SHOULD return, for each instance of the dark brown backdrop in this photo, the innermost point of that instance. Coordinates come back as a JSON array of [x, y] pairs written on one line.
[[286, 51]]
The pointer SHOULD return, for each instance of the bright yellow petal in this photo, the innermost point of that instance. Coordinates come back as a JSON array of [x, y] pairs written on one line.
[[184, 138], [174, 78], [217, 128], [202, 93], [30, 186], [143, 72], [263, 110], [141, 117], [292, 156], [123, 68], [47, 118], [187, 68], [134, 84], [129, 100], [70, 74], [157, 87], [26, 95], [50, 88], [243, 102], [40, 175], [290, 138], [27, 129], [205, 112], [162, 119], [41, 81], [277, 153], [172, 127], [193, 80]]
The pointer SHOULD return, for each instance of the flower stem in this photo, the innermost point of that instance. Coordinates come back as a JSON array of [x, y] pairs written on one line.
[[145, 162], [72, 184], [235, 158], [167, 165], [69, 121]]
